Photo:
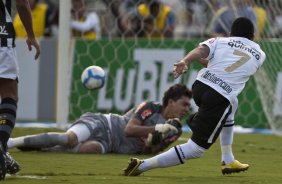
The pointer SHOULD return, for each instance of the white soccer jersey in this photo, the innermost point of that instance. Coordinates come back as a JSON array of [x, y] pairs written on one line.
[[232, 60], [8, 61]]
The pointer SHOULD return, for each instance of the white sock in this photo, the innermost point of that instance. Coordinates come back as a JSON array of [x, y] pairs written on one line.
[[174, 156], [15, 142], [10, 143], [226, 140]]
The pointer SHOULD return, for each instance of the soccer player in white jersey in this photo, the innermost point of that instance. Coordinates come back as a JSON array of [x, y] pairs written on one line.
[[231, 61], [228, 163], [9, 75]]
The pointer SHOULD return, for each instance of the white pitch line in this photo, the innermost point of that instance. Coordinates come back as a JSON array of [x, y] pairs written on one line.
[[28, 177]]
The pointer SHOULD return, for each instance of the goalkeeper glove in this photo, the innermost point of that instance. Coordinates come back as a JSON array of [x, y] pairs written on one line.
[[154, 138], [164, 128], [165, 132], [164, 140], [176, 123]]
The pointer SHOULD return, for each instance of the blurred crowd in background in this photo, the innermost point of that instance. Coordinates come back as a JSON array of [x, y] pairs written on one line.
[[178, 19]]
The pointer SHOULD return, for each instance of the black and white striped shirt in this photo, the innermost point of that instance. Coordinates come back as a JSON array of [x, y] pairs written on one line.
[[7, 31]]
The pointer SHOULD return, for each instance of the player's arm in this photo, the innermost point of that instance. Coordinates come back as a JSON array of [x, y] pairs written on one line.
[[26, 18], [197, 54], [203, 62], [135, 127]]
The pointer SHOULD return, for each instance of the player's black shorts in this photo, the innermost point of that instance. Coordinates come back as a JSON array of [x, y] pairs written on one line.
[[211, 116]]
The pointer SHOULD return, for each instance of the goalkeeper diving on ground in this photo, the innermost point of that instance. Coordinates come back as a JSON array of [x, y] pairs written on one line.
[[148, 128]]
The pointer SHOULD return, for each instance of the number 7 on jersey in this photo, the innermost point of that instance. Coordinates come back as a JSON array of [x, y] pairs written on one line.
[[244, 58]]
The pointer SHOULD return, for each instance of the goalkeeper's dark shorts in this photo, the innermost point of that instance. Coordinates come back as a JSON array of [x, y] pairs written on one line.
[[211, 116]]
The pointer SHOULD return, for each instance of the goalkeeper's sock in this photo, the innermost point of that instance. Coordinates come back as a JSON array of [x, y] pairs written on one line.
[[14, 142], [174, 156], [226, 140], [43, 140]]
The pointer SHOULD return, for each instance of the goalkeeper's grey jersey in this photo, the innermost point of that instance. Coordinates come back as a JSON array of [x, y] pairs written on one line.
[[232, 60], [108, 129]]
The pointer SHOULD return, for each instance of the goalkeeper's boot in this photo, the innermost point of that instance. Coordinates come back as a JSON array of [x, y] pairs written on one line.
[[233, 167], [12, 165], [132, 168]]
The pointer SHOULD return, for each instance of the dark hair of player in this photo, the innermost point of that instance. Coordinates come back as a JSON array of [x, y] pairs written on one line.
[[175, 92], [243, 27]]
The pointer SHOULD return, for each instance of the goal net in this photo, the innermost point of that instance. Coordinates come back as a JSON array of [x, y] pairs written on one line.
[[139, 68]]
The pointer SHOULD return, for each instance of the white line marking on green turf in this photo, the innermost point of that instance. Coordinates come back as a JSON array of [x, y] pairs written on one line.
[[28, 177]]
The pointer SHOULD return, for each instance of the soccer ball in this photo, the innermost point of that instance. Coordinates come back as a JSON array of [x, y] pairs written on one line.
[[93, 77]]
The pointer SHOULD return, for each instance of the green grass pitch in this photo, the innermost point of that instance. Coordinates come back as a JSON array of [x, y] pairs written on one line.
[[262, 152]]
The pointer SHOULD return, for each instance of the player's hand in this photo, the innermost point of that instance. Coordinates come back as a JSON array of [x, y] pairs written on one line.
[[164, 128], [176, 123], [157, 138], [33, 42], [179, 68], [161, 139]]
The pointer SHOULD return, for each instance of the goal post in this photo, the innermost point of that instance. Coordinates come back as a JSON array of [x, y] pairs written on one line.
[[63, 65]]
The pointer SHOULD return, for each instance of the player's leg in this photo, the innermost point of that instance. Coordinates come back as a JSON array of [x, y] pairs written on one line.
[[35, 142], [77, 133], [8, 109], [226, 140], [9, 98], [85, 147], [229, 164], [226, 136], [91, 136], [91, 147], [78, 136], [174, 156]]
